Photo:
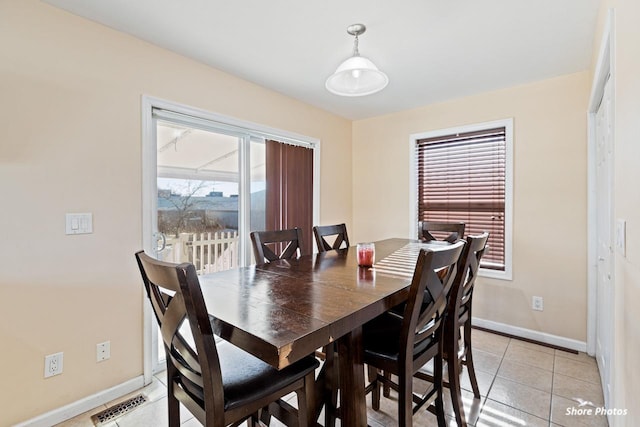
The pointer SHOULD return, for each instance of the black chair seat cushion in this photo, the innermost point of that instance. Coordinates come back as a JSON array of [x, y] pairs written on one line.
[[245, 378], [381, 337]]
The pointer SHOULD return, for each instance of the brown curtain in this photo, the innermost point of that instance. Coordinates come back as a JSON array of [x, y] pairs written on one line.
[[289, 204]]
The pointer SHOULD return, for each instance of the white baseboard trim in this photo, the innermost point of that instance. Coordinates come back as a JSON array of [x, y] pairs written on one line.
[[83, 405], [530, 334]]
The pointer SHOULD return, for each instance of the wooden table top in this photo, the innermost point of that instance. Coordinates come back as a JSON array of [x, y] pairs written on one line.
[[283, 311]]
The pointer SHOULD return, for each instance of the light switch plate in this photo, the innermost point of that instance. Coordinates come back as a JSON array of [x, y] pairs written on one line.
[[79, 223], [621, 236], [103, 351]]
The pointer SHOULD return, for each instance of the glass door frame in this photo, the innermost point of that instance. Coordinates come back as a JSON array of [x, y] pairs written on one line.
[[247, 132]]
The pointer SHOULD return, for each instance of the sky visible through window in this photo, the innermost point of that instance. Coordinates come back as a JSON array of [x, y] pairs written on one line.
[[185, 187]]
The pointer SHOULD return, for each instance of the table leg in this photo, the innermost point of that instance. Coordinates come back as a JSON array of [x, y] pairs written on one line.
[[353, 408]]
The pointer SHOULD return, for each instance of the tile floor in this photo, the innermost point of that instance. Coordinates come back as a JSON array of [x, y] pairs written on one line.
[[521, 384]]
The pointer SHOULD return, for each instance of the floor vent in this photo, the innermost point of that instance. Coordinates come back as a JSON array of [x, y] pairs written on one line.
[[118, 410]]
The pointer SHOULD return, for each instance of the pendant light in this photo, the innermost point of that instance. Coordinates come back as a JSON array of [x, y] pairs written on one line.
[[357, 76]]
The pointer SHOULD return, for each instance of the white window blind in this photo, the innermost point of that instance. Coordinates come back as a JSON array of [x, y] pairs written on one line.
[[462, 177]]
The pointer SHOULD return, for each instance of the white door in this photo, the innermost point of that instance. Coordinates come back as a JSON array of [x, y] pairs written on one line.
[[604, 226]]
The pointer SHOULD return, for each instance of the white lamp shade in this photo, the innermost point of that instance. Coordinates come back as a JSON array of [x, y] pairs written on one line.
[[357, 76]]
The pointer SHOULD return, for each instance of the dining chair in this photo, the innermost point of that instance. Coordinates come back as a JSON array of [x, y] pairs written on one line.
[[402, 344], [220, 384], [273, 245], [339, 231], [459, 317], [426, 228]]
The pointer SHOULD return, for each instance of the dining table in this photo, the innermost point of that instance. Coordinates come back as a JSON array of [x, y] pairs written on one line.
[[284, 310]]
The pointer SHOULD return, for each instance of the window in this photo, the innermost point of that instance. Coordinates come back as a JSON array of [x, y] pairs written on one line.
[[200, 192], [213, 177], [465, 174]]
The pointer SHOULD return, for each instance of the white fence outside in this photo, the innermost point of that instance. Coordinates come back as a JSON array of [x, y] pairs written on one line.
[[209, 252]]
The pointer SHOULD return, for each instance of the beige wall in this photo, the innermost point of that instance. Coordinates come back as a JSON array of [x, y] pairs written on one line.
[[70, 118], [70, 108], [626, 371], [549, 225]]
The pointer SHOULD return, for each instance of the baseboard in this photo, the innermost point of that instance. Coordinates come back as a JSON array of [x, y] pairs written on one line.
[[541, 337], [83, 405]]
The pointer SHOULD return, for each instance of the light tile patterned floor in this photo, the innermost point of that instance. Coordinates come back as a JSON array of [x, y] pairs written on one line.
[[521, 384]]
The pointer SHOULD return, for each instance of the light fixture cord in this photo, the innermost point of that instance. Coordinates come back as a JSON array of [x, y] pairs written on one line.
[[355, 47]]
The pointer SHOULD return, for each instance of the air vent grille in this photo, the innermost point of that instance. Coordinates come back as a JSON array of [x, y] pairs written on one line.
[[118, 410]]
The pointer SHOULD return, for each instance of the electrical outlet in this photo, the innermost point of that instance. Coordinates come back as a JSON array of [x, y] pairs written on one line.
[[103, 351], [53, 364], [537, 303]]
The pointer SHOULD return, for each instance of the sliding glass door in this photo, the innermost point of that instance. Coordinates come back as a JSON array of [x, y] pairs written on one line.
[[208, 181], [204, 194], [210, 185]]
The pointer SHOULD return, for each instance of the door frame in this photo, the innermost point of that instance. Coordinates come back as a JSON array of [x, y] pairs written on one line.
[[149, 185], [604, 70]]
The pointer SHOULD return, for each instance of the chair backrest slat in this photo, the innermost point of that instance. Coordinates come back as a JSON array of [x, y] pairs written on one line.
[[290, 239], [426, 228], [435, 273], [466, 277], [320, 233]]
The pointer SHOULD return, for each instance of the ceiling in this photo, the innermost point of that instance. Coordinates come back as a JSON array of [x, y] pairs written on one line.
[[432, 50]]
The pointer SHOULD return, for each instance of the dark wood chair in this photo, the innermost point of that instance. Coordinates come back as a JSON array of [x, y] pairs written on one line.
[[455, 230], [217, 382], [322, 231], [402, 344], [270, 246], [459, 317]]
